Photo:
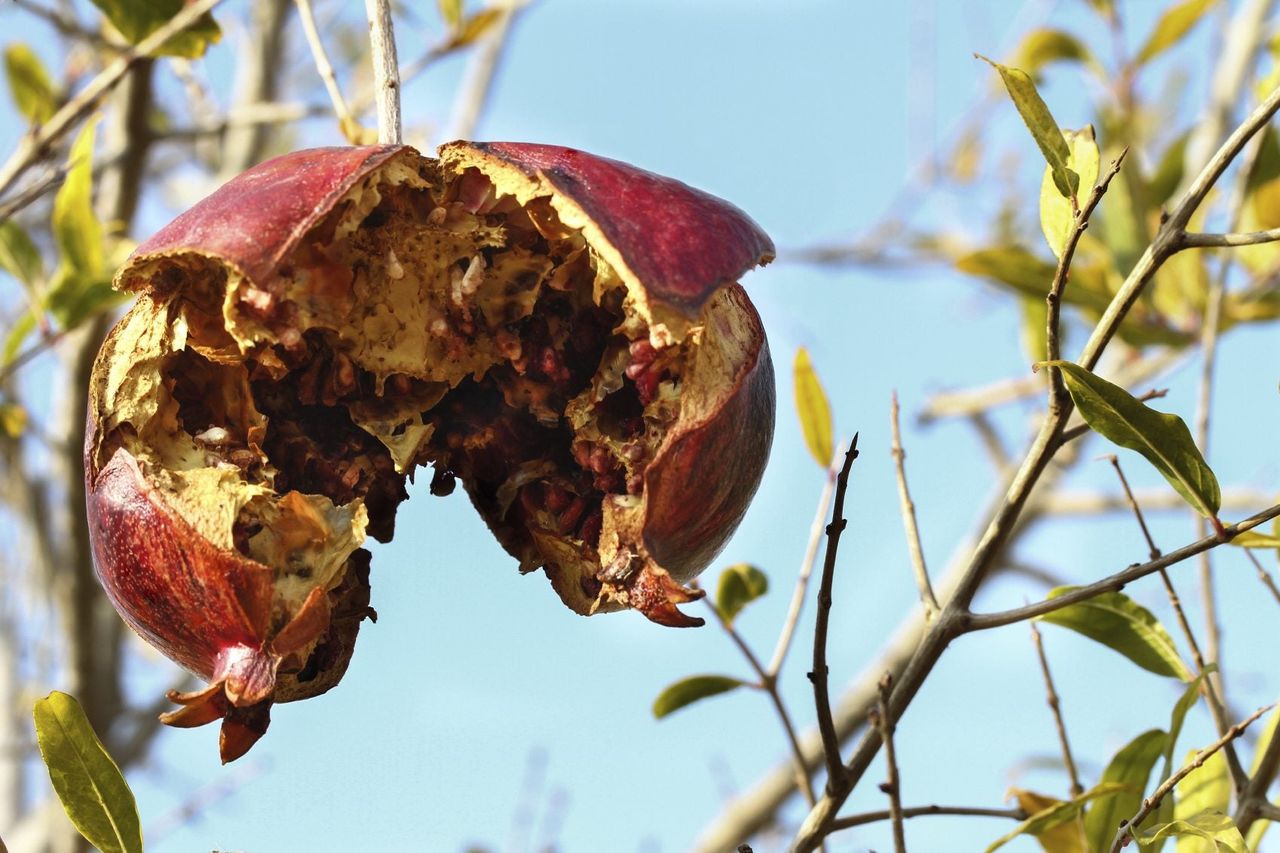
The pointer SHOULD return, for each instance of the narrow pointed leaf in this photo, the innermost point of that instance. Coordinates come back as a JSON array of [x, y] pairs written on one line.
[[89, 784], [1254, 539], [739, 585], [1044, 45], [19, 256], [1205, 789], [1163, 439], [33, 92], [450, 11], [1172, 26], [1216, 831], [1185, 702], [1044, 129], [1066, 837], [13, 419], [1058, 813], [76, 229], [137, 19], [1057, 216], [1123, 625], [813, 409], [690, 690], [1130, 767]]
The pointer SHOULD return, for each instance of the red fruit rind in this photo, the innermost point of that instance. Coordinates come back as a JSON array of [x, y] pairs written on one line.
[[561, 332]]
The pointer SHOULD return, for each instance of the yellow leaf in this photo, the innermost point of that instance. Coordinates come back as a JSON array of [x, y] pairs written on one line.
[[1057, 213], [814, 410]]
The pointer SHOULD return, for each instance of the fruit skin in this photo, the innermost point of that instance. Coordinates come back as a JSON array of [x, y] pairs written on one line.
[[209, 608]]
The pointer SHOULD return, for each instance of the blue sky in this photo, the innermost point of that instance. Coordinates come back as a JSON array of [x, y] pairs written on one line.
[[808, 115]]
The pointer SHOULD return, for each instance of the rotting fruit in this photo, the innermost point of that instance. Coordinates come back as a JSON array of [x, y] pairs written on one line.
[[562, 333]]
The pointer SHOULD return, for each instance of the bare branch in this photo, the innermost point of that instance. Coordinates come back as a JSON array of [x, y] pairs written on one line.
[[1195, 240], [880, 720], [1055, 707], [347, 122], [473, 96], [924, 811], [386, 70], [908, 511], [822, 701]]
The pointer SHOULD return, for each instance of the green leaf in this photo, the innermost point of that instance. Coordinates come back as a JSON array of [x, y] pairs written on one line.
[[17, 335], [29, 83], [137, 19], [1171, 27], [814, 410], [75, 298], [76, 229], [1130, 767], [690, 690], [1184, 704], [1058, 813], [1259, 828], [739, 585], [19, 256], [1169, 171], [1043, 127], [1123, 625], [1254, 539], [450, 11], [1218, 832], [1163, 439], [1034, 327], [1021, 271], [1205, 789], [1066, 837], [1044, 45], [13, 419], [1057, 216], [86, 780]]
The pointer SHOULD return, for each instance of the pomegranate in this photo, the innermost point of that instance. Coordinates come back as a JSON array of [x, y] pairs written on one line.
[[562, 333]]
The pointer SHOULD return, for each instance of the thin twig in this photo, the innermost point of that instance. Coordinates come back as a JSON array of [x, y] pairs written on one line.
[[1154, 500], [1055, 706], [1115, 582], [1253, 803], [822, 701], [36, 145], [1152, 802], [769, 685], [1263, 574], [907, 509], [1194, 240], [881, 721], [386, 70], [347, 122], [924, 811], [806, 571]]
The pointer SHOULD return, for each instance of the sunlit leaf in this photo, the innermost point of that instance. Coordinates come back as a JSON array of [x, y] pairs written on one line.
[[76, 229], [137, 19], [1217, 831], [19, 256], [13, 419], [1175, 23], [739, 585], [74, 298], [1169, 171], [473, 28], [1034, 327], [1254, 539], [1044, 129], [1018, 269], [1162, 438], [1123, 625], [690, 690], [33, 92], [1045, 45], [1260, 827], [16, 336], [1130, 767], [450, 11], [1205, 789], [1066, 837], [86, 780], [1057, 216], [1057, 813], [813, 409]]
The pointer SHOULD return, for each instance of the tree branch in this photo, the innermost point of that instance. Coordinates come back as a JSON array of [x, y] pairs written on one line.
[[386, 70]]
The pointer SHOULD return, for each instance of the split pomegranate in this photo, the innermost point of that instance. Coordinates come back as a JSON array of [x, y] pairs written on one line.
[[562, 333]]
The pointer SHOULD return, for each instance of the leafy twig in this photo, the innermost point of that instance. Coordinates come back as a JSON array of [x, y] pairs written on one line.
[[1152, 802]]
